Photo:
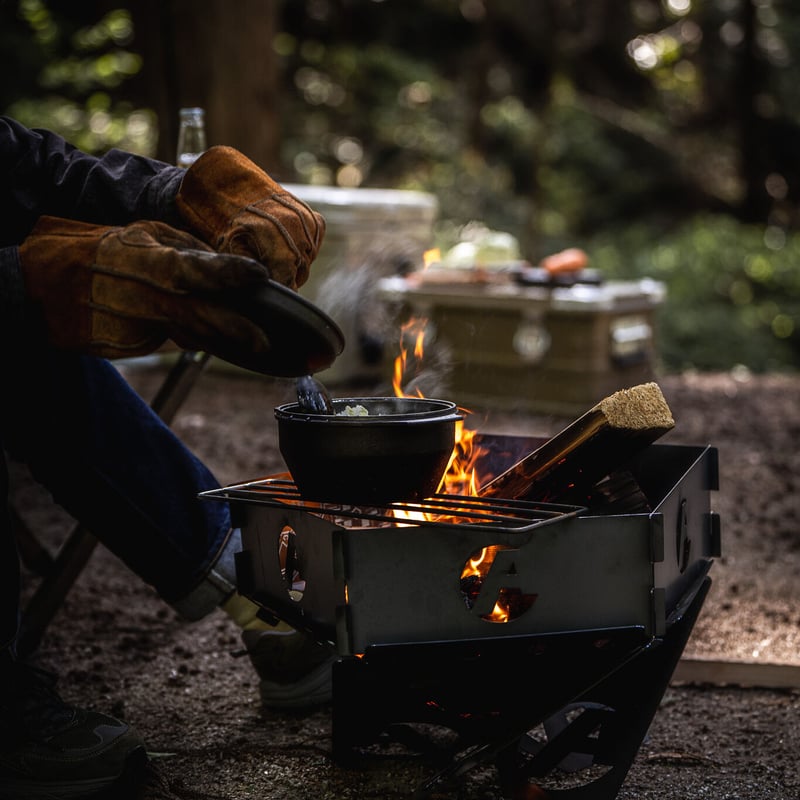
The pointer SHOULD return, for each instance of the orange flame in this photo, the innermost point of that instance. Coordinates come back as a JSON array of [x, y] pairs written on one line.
[[478, 567], [414, 328], [499, 613], [461, 475], [432, 256]]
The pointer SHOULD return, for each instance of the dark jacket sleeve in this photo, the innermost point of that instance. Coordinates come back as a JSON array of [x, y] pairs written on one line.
[[44, 174], [41, 173]]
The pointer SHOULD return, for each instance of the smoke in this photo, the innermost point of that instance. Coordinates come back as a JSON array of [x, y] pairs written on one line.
[[428, 376], [350, 293]]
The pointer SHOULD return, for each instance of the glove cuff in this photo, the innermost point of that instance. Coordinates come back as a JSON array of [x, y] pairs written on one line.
[[57, 282], [216, 188]]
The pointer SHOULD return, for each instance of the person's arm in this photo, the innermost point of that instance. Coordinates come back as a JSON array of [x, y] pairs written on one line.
[[12, 298], [225, 200], [42, 174]]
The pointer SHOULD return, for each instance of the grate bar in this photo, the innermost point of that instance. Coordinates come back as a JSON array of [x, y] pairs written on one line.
[[440, 510]]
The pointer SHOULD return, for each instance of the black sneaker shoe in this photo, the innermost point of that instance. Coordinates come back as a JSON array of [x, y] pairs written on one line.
[[294, 669], [52, 750]]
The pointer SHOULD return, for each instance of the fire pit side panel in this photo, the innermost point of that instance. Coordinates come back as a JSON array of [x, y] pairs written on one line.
[[691, 529], [308, 598], [405, 585]]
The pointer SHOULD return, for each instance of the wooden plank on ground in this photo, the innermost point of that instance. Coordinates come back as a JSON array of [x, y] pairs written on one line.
[[751, 674]]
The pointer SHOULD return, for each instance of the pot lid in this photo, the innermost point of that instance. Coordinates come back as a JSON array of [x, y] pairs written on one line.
[[303, 338]]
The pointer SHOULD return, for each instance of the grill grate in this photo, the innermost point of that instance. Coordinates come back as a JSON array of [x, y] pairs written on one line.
[[439, 510]]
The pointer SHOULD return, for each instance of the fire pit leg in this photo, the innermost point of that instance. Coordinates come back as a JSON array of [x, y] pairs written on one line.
[[363, 715], [617, 714], [354, 721]]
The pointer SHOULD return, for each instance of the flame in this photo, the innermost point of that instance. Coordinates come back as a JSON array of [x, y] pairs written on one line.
[[413, 329], [432, 256], [475, 570], [461, 476], [499, 613], [480, 565]]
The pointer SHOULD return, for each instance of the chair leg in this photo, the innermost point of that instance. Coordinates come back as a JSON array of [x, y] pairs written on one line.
[[52, 591], [33, 554], [178, 383]]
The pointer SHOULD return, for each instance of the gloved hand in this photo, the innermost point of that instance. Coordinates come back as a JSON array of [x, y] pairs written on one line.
[[235, 207], [122, 291]]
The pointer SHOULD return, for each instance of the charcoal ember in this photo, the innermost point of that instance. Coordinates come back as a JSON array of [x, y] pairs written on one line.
[[471, 588], [514, 602]]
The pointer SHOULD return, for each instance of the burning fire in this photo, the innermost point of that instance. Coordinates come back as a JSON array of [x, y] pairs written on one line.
[[472, 577], [432, 256], [461, 476], [510, 603], [413, 329]]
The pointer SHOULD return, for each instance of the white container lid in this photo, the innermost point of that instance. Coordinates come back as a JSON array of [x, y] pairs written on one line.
[[338, 203]]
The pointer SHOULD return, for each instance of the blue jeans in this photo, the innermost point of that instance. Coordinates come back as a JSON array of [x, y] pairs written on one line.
[[107, 459]]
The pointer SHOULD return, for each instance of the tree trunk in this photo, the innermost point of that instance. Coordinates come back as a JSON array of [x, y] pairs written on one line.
[[217, 55], [750, 80]]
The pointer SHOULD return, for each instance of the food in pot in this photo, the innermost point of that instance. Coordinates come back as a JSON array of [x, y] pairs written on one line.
[[353, 411]]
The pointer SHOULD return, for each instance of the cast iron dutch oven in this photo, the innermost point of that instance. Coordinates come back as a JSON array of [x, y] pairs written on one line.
[[397, 453]]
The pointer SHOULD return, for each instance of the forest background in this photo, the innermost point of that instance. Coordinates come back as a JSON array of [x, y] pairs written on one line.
[[662, 136]]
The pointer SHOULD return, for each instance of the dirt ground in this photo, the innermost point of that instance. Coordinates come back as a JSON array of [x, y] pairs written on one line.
[[119, 649]]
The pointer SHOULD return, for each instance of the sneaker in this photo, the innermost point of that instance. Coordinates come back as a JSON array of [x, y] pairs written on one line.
[[49, 749], [295, 670]]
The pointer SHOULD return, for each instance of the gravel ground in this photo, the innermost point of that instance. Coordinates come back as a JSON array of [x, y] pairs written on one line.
[[119, 649]]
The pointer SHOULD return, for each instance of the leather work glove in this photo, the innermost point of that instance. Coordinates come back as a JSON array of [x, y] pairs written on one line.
[[123, 291], [234, 206]]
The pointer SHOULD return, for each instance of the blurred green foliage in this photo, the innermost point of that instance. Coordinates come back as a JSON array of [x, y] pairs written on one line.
[[70, 74], [660, 135], [733, 290]]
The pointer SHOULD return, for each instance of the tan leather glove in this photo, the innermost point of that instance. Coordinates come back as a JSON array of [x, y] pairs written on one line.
[[234, 206], [122, 291]]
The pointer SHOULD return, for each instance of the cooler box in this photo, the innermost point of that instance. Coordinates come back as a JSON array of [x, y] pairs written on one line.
[[531, 348]]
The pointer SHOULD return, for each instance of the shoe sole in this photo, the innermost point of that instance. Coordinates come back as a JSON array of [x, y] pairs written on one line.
[[314, 689], [25, 790]]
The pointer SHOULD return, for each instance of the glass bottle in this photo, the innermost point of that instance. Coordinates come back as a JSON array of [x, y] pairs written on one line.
[[191, 136]]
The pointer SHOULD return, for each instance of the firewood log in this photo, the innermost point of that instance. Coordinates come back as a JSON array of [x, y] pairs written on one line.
[[566, 466]]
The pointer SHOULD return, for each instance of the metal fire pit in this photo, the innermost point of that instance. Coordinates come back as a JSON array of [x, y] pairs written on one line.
[[560, 696]]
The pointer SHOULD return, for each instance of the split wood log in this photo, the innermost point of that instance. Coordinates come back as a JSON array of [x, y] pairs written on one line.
[[566, 467]]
